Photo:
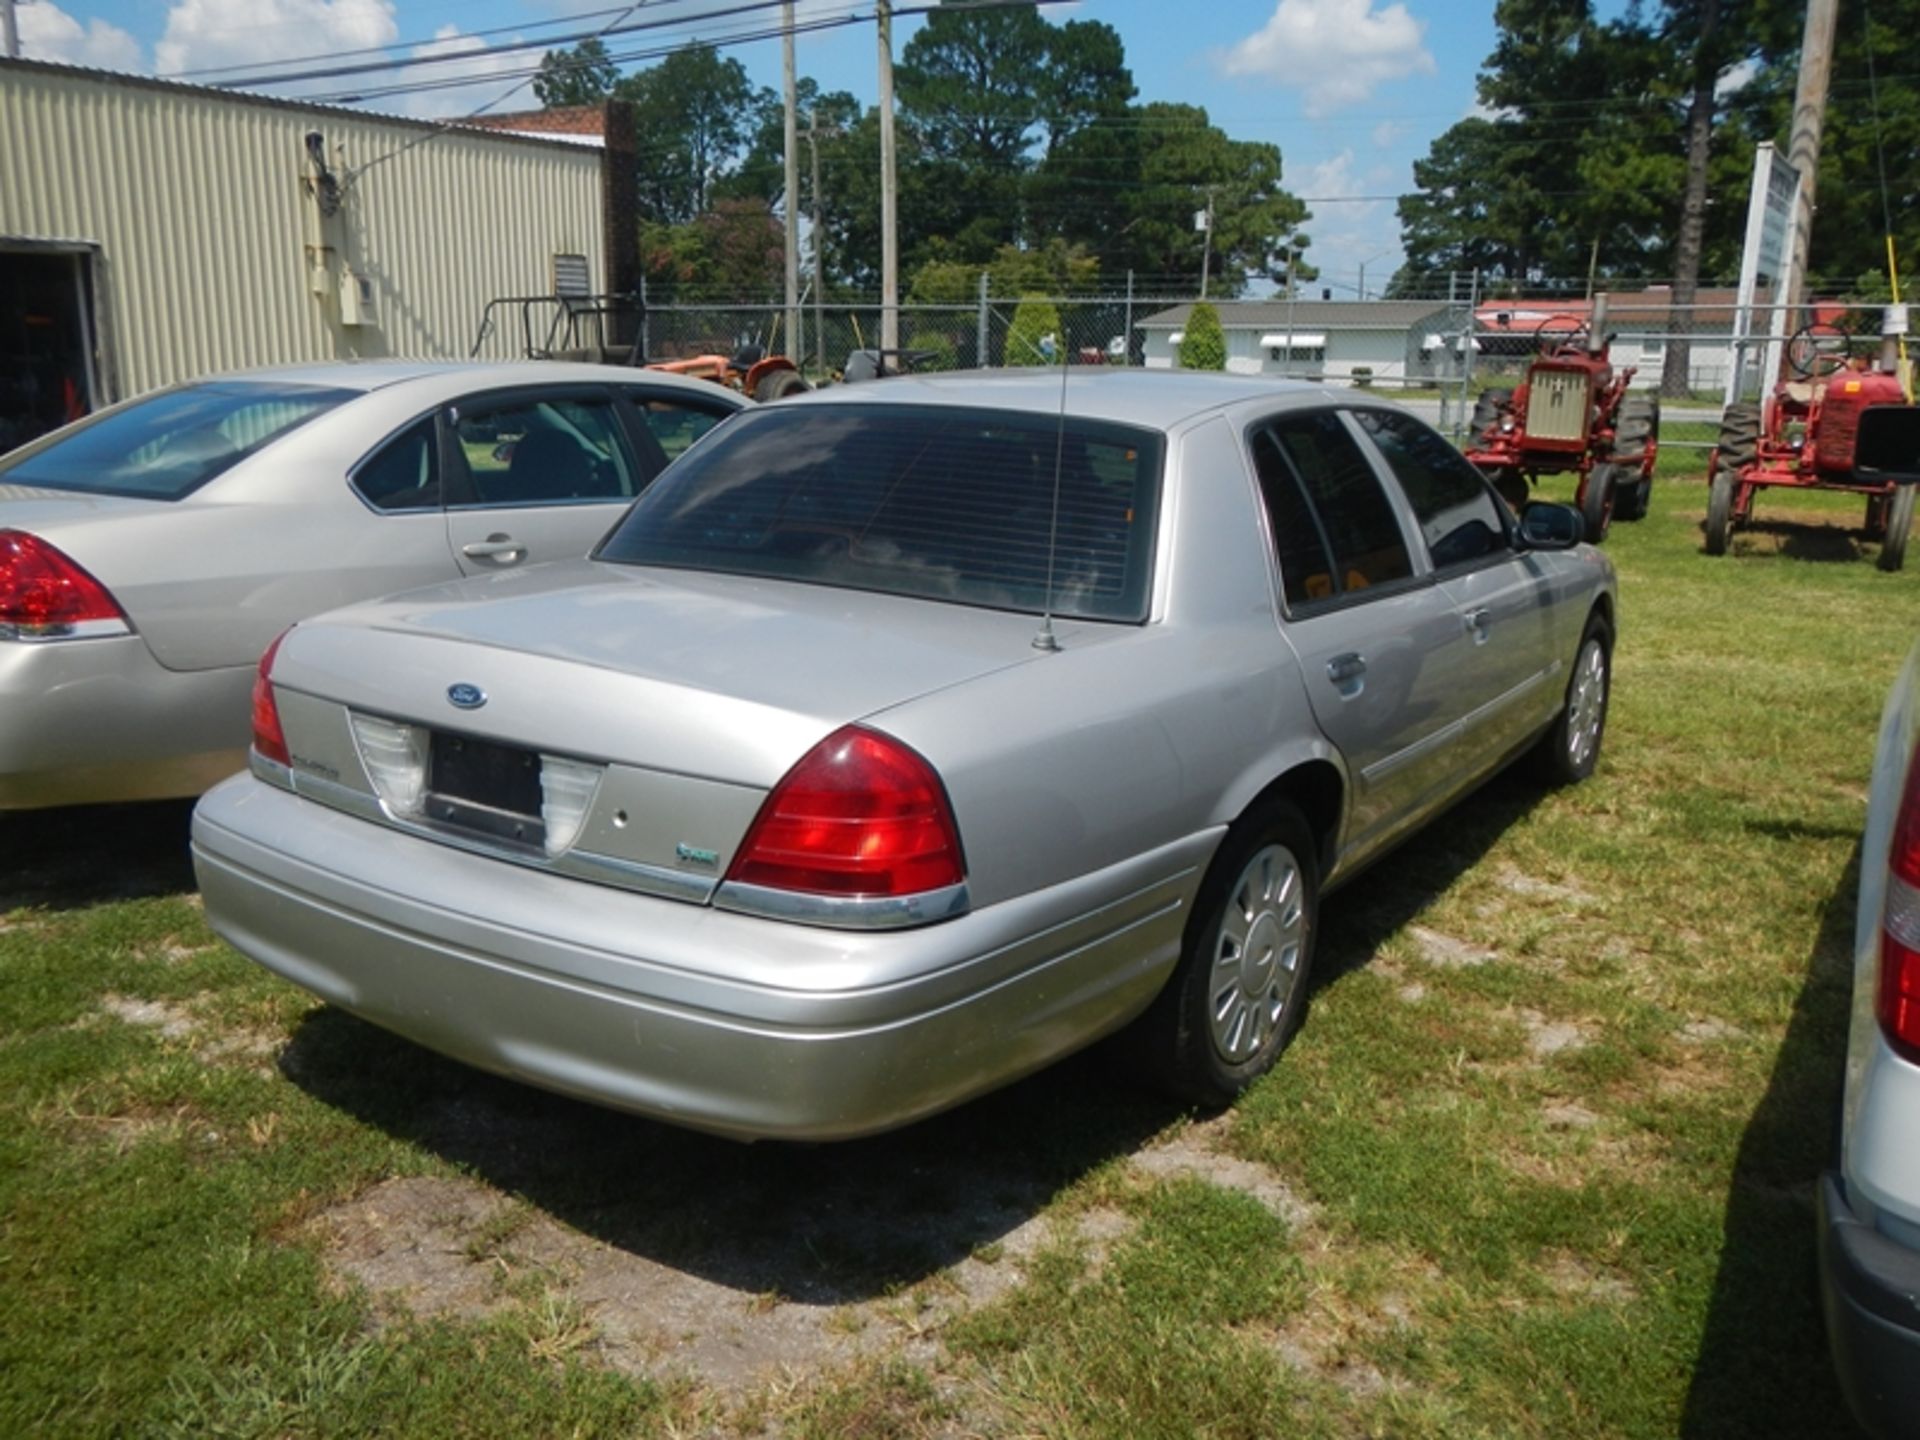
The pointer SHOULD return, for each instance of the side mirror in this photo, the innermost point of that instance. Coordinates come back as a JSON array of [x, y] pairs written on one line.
[[1545, 525]]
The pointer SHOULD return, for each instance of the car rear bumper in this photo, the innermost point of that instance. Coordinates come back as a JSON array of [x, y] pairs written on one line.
[[1870, 1291], [92, 721], [722, 1022]]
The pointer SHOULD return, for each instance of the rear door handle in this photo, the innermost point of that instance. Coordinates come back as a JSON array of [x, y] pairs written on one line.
[[1477, 623], [503, 548], [1347, 673]]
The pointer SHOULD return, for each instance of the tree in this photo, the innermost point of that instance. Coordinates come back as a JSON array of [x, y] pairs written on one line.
[[691, 113], [968, 81], [1035, 336], [584, 75], [1054, 268], [1204, 346], [1086, 79]]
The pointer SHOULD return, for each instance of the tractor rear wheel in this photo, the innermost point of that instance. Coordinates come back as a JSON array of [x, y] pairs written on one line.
[[779, 383], [1510, 485], [1739, 435], [1893, 549], [1597, 499], [1636, 437], [1486, 410], [1720, 511]]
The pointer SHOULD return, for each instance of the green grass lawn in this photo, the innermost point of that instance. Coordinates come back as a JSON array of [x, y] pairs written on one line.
[[1540, 1163]]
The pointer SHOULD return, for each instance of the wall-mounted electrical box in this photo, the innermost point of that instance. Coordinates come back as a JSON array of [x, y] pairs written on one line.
[[356, 300]]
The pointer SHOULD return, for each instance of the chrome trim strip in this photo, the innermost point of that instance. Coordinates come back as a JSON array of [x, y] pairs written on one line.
[[576, 864], [1446, 733], [844, 912], [76, 630], [271, 771]]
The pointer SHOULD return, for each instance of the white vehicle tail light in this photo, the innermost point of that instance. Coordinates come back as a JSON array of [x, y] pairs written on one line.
[[395, 756], [860, 815], [269, 740], [44, 595], [566, 790], [1899, 997]]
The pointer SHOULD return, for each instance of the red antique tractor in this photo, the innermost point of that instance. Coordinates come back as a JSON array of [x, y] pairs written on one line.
[[1573, 412], [1836, 425]]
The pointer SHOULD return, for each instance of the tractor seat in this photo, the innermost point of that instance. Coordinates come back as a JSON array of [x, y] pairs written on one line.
[[1801, 392]]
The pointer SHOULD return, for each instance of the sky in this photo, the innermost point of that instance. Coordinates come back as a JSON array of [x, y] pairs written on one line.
[[1352, 91]]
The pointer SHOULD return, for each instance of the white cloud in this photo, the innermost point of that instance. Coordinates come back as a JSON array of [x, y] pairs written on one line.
[[1738, 77], [463, 99], [202, 34], [48, 33], [1336, 52], [1388, 131]]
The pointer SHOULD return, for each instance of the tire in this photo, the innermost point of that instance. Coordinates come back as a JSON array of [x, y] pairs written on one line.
[[1230, 1007], [1636, 439], [1570, 749], [1893, 549], [1720, 511], [1486, 410], [779, 384], [1739, 443], [1511, 486], [1597, 500]]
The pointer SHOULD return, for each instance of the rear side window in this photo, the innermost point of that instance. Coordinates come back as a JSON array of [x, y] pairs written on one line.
[[542, 451], [1357, 542], [1458, 517], [932, 501], [674, 424], [168, 446], [403, 474]]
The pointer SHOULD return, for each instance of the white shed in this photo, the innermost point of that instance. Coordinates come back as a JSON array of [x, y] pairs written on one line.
[[1321, 339]]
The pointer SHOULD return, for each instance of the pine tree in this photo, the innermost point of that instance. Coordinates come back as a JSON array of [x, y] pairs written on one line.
[[1205, 345]]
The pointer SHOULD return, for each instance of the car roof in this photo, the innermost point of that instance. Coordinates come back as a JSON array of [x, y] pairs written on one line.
[[1161, 399], [367, 376]]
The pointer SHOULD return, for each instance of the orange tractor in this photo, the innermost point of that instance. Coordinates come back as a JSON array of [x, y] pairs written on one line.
[[1836, 425], [577, 327], [1573, 412]]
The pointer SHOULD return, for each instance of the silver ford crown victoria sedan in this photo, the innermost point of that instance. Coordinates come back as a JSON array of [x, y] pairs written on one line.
[[150, 552], [903, 738]]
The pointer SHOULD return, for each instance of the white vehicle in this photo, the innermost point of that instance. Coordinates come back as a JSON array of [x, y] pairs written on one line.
[[1870, 1206]]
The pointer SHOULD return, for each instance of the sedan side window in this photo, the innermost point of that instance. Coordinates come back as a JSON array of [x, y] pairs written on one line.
[[1339, 492], [543, 452], [1458, 516], [403, 474], [675, 423]]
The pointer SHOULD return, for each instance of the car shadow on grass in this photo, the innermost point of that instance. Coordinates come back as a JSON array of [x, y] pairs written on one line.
[[832, 1224], [1763, 1368], [839, 1223], [71, 858]]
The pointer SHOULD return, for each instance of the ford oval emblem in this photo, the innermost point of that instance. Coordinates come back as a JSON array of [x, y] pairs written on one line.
[[466, 697]]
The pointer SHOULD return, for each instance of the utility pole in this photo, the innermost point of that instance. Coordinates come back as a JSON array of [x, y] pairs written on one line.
[[11, 28], [1803, 147], [819, 248], [889, 194], [791, 205], [1205, 219]]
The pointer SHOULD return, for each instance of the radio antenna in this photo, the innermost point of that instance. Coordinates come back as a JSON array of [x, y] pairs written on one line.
[[1045, 639]]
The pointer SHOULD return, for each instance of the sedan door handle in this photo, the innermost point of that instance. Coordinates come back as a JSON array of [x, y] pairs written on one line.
[[1346, 670], [1477, 623], [504, 548]]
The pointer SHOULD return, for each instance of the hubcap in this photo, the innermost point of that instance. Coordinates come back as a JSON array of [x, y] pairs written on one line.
[[1587, 705], [1256, 961]]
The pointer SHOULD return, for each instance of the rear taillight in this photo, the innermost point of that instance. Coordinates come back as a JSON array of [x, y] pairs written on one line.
[[1899, 994], [44, 595], [269, 740], [860, 815]]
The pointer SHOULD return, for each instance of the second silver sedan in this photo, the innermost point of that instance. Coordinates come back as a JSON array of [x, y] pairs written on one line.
[[149, 553]]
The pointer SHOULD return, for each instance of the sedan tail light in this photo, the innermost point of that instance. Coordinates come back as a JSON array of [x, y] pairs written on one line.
[[44, 595], [1899, 994], [860, 815], [269, 740]]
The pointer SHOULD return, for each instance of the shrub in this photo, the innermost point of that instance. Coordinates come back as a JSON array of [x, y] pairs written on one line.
[[1033, 322], [1363, 376], [1205, 344]]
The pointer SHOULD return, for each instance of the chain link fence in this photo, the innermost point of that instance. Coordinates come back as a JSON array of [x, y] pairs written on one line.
[[1438, 356]]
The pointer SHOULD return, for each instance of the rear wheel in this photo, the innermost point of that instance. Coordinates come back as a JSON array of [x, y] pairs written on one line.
[[1720, 511], [1636, 440], [1569, 750], [1597, 499], [1739, 443], [1893, 549], [1236, 997], [779, 384]]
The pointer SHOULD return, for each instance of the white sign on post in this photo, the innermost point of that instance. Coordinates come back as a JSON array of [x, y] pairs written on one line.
[[1763, 258]]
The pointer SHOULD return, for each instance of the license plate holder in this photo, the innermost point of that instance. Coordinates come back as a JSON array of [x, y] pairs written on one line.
[[484, 786]]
